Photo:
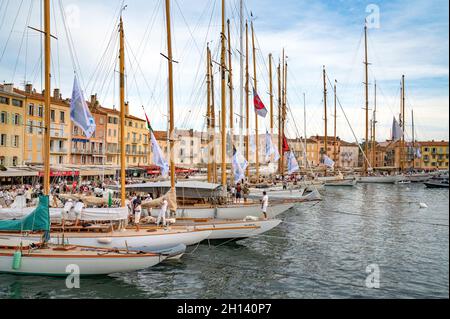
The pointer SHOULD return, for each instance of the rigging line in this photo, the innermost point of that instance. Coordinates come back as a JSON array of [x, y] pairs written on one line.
[[10, 32], [201, 61], [148, 30], [137, 66], [21, 41], [57, 45], [113, 27], [4, 14], [351, 128]]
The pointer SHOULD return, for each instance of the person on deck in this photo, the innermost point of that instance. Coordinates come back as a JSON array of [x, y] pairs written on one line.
[[77, 210], [264, 204], [137, 212], [246, 192], [162, 213], [238, 192]]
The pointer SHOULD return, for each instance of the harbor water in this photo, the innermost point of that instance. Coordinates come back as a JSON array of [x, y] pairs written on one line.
[[329, 249]]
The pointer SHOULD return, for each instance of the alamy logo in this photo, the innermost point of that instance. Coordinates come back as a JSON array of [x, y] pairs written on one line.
[[373, 19], [373, 279], [73, 279]]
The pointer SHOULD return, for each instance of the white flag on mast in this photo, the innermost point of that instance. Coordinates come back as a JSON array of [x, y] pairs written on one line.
[[79, 111], [292, 163], [271, 149], [158, 157]]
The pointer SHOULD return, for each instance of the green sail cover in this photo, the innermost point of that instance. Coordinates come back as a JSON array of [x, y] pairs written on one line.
[[39, 219]]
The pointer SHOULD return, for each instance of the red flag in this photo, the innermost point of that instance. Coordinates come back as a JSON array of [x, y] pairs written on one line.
[[285, 145], [260, 109]]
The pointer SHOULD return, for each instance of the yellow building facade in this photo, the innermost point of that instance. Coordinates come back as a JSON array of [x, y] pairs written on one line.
[[12, 106]]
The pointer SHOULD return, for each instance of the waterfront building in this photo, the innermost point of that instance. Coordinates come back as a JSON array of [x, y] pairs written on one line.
[[12, 110], [33, 131], [349, 155]]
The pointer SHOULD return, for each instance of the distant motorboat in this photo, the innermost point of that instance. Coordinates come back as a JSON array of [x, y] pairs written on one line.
[[438, 183], [388, 179]]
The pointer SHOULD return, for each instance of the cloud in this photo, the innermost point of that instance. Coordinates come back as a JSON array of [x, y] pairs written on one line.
[[412, 40]]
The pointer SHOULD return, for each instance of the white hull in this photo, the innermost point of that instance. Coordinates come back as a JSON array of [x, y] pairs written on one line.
[[294, 195], [228, 212], [239, 230], [143, 240], [346, 182], [39, 263], [379, 179]]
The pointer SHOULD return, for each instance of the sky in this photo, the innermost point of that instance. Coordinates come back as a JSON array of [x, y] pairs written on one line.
[[404, 38]]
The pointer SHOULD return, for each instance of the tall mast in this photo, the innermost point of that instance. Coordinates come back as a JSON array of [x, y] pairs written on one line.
[[413, 139], [304, 129], [171, 116], [230, 82], [325, 151], [241, 73], [402, 114], [47, 98], [366, 83], [223, 101], [208, 112], [255, 86], [213, 121], [282, 113], [335, 117], [271, 93], [122, 113], [374, 123], [280, 138], [247, 108]]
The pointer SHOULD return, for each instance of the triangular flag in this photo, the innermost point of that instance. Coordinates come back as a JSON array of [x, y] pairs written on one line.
[[79, 111], [260, 109]]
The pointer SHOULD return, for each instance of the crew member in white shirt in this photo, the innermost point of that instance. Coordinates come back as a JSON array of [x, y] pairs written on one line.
[[264, 204], [77, 210], [162, 213]]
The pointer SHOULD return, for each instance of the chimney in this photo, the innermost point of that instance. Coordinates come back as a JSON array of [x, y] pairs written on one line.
[[93, 100], [56, 94], [29, 88], [127, 109], [8, 87]]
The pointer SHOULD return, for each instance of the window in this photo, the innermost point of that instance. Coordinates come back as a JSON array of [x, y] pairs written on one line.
[[102, 121], [109, 132], [115, 132], [3, 140], [61, 159], [52, 115], [62, 117], [17, 119], [2, 160], [40, 111], [16, 141], [75, 130], [14, 161], [17, 103], [40, 128], [30, 127], [3, 117], [116, 120], [4, 100], [31, 109]]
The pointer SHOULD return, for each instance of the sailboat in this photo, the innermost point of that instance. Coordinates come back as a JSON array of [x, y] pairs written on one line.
[[173, 241], [366, 178], [216, 208], [19, 256], [31, 257]]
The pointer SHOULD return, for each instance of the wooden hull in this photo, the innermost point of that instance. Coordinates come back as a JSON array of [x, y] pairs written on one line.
[[58, 263]]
